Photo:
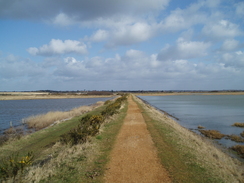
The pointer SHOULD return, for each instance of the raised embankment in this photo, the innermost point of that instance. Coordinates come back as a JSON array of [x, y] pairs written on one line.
[[142, 135], [187, 156]]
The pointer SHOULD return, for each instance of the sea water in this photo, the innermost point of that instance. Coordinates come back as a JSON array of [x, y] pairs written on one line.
[[13, 111], [214, 112]]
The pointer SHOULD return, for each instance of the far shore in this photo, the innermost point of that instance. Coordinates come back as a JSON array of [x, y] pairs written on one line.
[[47, 95], [188, 93], [44, 95]]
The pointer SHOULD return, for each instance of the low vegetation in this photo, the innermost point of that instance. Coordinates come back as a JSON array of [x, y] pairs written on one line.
[[13, 165], [41, 121], [235, 138], [238, 125], [187, 156], [242, 134], [200, 127], [213, 134], [239, 149], [66, 152]]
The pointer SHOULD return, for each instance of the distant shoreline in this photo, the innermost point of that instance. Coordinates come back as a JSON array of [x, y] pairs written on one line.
[[44, 95], [188, 93], [47, 95]]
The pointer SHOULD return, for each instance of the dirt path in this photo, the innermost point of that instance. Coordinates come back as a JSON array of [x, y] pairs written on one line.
[[134, 157]]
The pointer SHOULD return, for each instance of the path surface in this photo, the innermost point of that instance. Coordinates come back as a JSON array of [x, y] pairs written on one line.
[[134, 157]]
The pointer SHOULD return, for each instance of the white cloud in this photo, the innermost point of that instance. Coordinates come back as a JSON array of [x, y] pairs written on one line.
[[131, 34], [57, 47], [234, 60], [222, 29], [100, 35], [240, 8], [180, 19], [230, 44], [184, 50]]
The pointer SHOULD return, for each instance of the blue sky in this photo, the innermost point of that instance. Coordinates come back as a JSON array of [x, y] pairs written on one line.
[[121, 45]]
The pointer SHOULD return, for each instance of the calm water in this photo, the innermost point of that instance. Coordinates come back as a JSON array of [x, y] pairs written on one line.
[[215, 112], [16, 110]]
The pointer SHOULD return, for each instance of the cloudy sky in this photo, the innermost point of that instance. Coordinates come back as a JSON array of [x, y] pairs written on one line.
[[121, 45]]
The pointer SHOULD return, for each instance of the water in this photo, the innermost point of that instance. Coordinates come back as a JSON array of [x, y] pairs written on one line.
[[214, 112], [16, 110]]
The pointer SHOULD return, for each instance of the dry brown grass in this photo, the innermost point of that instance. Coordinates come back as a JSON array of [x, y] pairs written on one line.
[[239, 149], [206, 153], [238, 125], [200, 127], [235, 138], [67, 158], [44, 120], [213, 134]]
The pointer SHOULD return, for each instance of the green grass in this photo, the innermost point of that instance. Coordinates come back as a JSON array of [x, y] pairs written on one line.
[[106, 141], [55, 162], [91, 164], [43, 139], [179, 160]]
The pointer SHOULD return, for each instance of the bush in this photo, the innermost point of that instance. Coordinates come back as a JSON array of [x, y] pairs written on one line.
[[12, 165], [90, 124]]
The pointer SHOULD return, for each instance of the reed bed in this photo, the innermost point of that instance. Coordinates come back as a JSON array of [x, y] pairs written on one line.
[[214, 134], [238, 125], [41, 121]]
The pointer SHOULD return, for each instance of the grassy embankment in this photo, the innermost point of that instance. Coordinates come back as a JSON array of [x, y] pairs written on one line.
[[187, 156], [59, 162]]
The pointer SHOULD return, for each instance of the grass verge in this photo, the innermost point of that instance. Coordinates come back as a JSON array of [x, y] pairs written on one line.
[[57, 162], [187, 156]]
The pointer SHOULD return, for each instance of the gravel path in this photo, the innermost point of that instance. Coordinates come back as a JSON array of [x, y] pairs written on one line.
[[134, 157]]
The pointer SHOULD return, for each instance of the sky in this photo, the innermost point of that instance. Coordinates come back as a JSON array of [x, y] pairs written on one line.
[[121, 45]]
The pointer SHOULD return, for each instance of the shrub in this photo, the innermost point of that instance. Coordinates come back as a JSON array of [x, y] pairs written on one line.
[[12, 165], [90, 124]]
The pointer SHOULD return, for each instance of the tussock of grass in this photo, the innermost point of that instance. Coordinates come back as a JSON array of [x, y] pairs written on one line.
[[44, 120], [235, 138], [239, 149], [200, 127], [12, 133], [213, 134], [238, 124]]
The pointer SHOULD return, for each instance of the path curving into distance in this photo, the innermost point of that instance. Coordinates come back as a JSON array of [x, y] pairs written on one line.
[[134, 157]]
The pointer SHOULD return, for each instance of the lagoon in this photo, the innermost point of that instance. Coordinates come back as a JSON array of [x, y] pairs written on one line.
[[214, 112], [16, 110]]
